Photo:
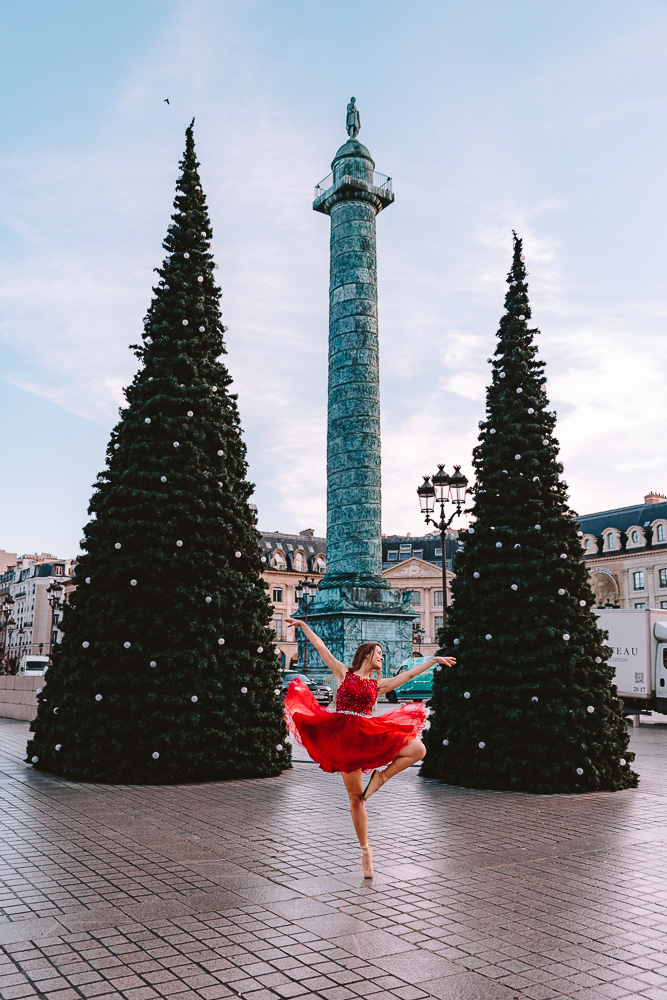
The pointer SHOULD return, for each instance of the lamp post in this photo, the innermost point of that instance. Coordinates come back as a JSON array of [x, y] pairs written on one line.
[[7, 623], [441, 489], [305, 595], [54, 590], [417, 638]]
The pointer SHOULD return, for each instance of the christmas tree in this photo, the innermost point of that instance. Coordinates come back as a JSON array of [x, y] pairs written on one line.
[[530, 705], [167, 670]]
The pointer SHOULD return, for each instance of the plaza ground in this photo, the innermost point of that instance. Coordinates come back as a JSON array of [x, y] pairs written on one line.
[[252, 889]]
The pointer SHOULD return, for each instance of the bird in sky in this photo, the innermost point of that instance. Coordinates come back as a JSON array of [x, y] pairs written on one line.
[[166, 100]]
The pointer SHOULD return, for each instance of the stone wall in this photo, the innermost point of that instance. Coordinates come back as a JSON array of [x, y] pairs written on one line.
[[17, 697]]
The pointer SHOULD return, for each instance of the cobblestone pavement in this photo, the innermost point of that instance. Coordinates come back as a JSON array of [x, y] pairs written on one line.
[[253, 889]]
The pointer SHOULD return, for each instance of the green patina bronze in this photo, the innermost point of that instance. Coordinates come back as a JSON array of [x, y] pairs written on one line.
[[354, 602]]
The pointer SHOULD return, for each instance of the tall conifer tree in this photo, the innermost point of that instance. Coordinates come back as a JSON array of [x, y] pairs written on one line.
[[167, 670], [530, 705]]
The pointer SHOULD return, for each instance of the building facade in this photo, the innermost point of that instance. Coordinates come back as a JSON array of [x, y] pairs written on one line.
[[625, 551], [29, 622]]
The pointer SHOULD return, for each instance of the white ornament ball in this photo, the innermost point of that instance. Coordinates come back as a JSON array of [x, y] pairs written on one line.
[[538, 527], [197, 187], [220, 485], [201, 329], [190, 413], [580, 534], [85, 644], [580, 770], [155, 755], [466, 694], [445, 743], [117, 545], [517, 457], [35, 759], [116, 447], [263, 559], [58, 746], [179, 543], [98, 697], [203, 233], [39, 690], [279, 746], [545, 441], [220, 453], [536, 479], [488, 637], [208, 600], [561, 591], [163, 479], [590, 709], [519, 389], [238, 555], [194, 699], [133, 583], [187, 256], [492, 430], [582, 604], [276, 690], [476, 575], [522, 317], [622, 762], [566, 637], [514, 586], [166, 288], [534, 698], [471, 531], [260, 649], [244, 690], [148, 340], [153, 663], [199, 278], [221, 642], [147, 420], [481, 744], [501, 374], [126, 645], [530, 409], [517, 545], [456, 642], [214, 388], [563, 555], [499, 545], [88, 579], [177, 444], [184, 322], [598, 659], [55, 710]]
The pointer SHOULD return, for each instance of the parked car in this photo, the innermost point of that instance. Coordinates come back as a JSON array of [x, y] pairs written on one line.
[[321, 692], [420, 688]]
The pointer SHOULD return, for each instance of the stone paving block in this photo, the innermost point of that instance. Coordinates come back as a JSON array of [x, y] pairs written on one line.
[[468, 986], [418, 966], [371, 944]]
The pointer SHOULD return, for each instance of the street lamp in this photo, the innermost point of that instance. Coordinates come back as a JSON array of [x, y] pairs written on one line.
[[54, 590], [417, 638], [441, 489], [7, 622], [305, 594]]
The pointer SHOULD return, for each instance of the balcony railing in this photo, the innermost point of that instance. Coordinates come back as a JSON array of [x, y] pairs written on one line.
[[358, 172]]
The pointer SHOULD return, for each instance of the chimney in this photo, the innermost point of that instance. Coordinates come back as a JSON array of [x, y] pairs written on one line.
[[653, 497], [308, 532]]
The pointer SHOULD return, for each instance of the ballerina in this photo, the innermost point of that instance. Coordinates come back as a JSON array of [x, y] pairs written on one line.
[[350, 740]]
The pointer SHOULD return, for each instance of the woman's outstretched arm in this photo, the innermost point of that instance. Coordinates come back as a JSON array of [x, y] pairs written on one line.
[[391, 683], [337, 668]]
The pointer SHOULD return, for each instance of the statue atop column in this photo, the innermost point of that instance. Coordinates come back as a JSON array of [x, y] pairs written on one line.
[[353, 123]]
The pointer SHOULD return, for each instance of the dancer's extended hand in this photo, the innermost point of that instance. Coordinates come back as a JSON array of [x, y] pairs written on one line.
[[445, 661], [296, 622]]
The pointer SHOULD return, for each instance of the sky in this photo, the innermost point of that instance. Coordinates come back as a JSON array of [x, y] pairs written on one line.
[[546, 119]]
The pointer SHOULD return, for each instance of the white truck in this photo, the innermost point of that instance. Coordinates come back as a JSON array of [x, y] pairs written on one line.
[[33, 666], [638, 638]]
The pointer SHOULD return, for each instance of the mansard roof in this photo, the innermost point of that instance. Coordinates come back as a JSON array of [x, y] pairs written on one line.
[[622, 518]]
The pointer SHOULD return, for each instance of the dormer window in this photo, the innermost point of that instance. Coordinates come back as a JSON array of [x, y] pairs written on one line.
[[299, 561], [278, 560], [634, 538], [611, 541], [587, 544], [660, 533]]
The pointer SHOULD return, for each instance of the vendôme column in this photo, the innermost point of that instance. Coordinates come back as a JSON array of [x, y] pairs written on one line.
[[354, 603]]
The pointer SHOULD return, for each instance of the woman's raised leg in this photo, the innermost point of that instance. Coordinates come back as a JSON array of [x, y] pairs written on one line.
[[409, 755]]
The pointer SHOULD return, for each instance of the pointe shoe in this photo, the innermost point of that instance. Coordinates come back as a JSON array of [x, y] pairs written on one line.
[[367, 861], [377, 780]]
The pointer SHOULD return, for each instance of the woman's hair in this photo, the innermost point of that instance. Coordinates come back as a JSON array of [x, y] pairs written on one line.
[[366, 649]]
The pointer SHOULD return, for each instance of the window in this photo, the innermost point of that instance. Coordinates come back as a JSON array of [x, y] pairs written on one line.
[[406, 548], [437, 622], [611, 541], [392, 555], [640, 604], [660, 533], [663, 604], [638, 580], [278, 560], [635, 537], [437, 552], [587, 543], [418, 553], [299, 562], [663, 577], [437, 598], [416, 597], [319, 566], [278, 626], [277, 595]]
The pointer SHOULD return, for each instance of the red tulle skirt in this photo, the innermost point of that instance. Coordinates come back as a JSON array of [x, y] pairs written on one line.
[[341, 742]]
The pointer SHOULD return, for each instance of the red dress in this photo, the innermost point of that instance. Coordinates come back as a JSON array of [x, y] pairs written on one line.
[[350, 738]]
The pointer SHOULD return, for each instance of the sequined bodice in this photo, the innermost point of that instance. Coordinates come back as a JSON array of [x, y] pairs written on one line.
[[356, 694]]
